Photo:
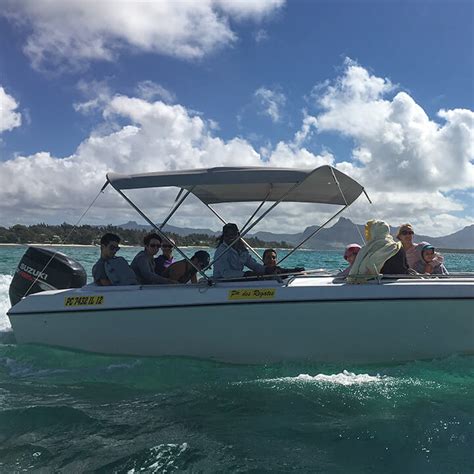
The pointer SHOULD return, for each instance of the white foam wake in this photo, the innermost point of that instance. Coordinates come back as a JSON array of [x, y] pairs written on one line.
[[343, 378], [5, 281]]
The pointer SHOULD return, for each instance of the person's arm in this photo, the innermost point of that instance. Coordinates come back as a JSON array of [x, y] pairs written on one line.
[[251, 263], [99, 275], [147, 276]]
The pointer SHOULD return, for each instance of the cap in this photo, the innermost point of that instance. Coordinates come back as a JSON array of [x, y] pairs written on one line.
[[351, 249]]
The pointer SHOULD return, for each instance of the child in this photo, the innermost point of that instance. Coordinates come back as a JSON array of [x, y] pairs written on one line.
[[429, 261], [350, 255]]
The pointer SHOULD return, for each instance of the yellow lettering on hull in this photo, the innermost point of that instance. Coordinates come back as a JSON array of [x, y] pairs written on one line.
[[252, 294], [83, 300]]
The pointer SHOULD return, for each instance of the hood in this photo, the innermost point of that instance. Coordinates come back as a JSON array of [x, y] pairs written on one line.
[[376, 230], [419, 249]]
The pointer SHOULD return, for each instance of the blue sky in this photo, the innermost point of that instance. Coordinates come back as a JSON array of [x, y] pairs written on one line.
[[381, 89]]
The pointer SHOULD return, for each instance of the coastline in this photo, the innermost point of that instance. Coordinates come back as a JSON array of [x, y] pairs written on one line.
[[89, 245], [52, 245], [37, 244]]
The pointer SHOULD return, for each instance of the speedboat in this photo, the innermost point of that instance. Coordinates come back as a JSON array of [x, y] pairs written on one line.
[[310, 316]]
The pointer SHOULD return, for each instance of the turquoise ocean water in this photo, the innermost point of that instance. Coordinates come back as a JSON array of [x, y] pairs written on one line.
[[62, 411]]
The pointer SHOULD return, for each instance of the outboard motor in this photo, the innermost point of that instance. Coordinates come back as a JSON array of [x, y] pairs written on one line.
[[61, 272]]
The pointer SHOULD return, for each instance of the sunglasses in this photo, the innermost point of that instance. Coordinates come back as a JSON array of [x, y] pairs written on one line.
[[114, 248], [166, 246], [154, 246], [406, 232]]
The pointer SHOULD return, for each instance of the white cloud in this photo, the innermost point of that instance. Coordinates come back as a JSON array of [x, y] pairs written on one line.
[[398, 147], [97, 94], [157, 136], [75, 32], [271, 102], [309, 124], [261, 35], [389, 158], [9, 118], [150, 90]]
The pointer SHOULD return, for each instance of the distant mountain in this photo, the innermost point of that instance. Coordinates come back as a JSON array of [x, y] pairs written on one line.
[[343, 232], [183, 231]]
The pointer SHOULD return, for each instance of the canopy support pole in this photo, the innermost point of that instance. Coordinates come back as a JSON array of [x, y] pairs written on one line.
[[366, 195], [256, 210], [162, 234], [176, 207], [312, 234], [251, 226], [225, 222]]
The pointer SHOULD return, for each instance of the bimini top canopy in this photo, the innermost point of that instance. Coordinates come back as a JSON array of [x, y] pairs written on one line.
[[246, 184]]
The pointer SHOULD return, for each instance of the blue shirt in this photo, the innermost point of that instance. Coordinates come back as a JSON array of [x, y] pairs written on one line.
[[232, 263]]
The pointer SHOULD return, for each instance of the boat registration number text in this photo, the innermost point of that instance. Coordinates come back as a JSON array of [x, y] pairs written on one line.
[[83, 300], [252, 294]]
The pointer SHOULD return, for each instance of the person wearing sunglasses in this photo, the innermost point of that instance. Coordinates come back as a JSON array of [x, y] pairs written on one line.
[[405, 235], [110, 269], [163, 261], [144, 262]]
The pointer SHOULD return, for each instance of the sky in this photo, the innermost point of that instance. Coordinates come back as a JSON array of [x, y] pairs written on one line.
[[381, 90]]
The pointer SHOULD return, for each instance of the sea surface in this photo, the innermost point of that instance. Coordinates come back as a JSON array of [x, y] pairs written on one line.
[[62, 411]]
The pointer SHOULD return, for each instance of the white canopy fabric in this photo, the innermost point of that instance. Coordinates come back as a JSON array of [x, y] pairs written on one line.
[[248, 184]]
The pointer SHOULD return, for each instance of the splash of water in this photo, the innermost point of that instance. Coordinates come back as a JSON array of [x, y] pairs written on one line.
[[5, 281]]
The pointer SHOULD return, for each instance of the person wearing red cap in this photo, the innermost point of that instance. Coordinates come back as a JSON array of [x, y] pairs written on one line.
[[350, 255]]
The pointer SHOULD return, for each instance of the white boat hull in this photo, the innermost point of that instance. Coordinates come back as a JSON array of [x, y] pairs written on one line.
[[311, 318]]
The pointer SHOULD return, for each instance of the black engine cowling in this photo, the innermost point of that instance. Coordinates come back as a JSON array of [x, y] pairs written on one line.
[[61, 272]]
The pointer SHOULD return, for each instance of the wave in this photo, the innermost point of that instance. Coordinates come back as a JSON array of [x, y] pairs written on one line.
[[162, 458], [5, 281]]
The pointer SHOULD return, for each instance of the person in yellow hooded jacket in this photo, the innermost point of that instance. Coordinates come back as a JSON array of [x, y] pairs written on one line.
[[380, 255]]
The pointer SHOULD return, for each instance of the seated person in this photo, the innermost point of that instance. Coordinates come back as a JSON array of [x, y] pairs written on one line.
[[163, 261], [429, 261], [350, 255], [405, 235], [110, 269], [271, 268], [182, 271], [380, 255], [230, 261], [144, 264]]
